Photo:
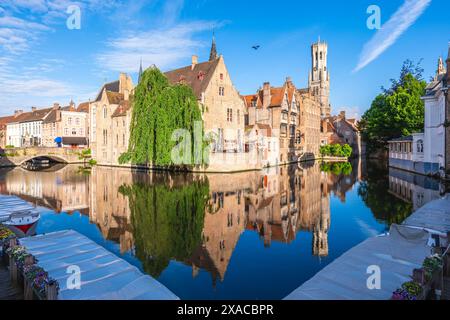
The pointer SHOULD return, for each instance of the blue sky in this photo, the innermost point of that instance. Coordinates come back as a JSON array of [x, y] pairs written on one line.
[[42, 61]]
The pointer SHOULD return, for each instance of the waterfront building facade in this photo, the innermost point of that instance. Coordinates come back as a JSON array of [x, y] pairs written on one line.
[[342, 130], [221, 104], [26, 129], [13, 137], [65, 127], [428, 152], [310, 119], [278, 109], [3, 133], [103, 120]]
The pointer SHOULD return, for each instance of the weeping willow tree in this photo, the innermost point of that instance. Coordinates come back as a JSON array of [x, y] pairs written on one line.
[[167, 221], [159, 111]]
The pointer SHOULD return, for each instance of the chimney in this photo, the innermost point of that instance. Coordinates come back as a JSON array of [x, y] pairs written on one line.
[[194, 61], [126, 95], [33, 109], [17, 113], [266, 94], [56, 106], [123, 78]]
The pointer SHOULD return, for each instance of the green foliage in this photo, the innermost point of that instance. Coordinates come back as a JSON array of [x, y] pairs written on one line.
[[167, 221], [337, 168], [9, 147], [86, 156], [346, 151], [160, 109], [336, 150], [397, 111], [374, 192]]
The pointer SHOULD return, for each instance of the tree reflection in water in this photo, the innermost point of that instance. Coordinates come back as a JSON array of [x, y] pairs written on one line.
[[167, 215], [374, 191]]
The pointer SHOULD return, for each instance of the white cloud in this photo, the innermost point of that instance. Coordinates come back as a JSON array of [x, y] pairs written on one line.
[[17, 23], [402, 19], [161, 47]]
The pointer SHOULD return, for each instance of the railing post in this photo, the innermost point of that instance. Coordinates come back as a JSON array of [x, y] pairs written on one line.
[[51, 290], [13, 272], [27, 286]]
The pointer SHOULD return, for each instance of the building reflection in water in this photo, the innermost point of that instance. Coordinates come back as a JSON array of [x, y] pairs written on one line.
[[194, 219], [412, 188]]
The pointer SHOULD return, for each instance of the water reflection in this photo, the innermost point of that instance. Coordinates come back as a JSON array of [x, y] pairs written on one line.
[[198, 221]]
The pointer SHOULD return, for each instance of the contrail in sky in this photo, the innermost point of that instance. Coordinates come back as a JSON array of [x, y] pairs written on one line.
[[402, 19]]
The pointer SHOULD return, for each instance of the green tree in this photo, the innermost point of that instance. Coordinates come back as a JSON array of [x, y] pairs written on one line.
[[160, 109], [397, 111], [325, 150], [346, 151], [373, 190], [167, 221]]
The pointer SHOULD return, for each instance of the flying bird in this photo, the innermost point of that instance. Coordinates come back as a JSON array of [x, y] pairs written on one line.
[[256, 47]]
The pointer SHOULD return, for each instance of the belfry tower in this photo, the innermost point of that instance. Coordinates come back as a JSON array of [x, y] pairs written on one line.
[[319, 77]]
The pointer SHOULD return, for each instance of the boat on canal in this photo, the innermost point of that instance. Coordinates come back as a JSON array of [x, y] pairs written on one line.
[[18, 216]]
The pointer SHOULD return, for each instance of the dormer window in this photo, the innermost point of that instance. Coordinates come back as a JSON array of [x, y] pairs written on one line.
[[201, 76]]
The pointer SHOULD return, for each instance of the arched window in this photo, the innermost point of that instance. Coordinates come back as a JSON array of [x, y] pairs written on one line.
[[419, 146]]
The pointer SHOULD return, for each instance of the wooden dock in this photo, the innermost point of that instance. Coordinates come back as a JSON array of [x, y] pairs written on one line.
[[7, 290], [68, 256]]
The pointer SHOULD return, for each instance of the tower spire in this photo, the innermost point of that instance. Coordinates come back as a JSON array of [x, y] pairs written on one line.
[[213, 53], [140, 72], [441, 68]]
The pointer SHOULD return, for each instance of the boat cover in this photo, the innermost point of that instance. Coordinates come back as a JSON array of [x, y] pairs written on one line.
[[103, 275], [396, 255], [12, 204], [435, 215]]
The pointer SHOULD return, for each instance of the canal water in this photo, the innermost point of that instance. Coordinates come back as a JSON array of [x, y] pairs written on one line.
[[253, 235]]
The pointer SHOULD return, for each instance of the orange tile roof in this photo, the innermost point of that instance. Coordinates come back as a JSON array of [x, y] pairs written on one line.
[[122, 109], [5, 120]]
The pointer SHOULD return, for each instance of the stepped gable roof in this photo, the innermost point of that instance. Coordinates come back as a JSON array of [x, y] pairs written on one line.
[[197, 77]]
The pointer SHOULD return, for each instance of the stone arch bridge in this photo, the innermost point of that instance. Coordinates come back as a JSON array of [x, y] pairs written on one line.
[[18, 156]]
